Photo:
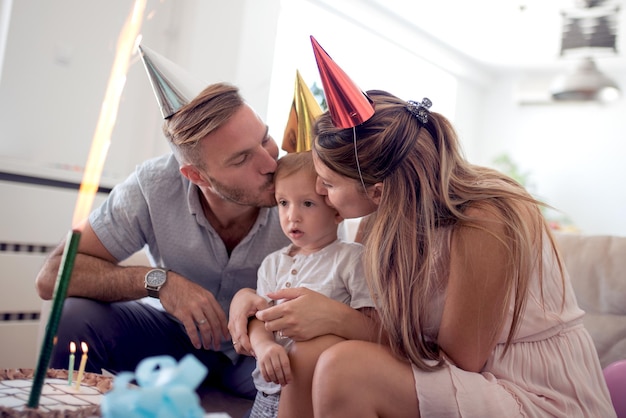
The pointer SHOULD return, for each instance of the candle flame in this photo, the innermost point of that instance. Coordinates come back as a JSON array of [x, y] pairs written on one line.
[[72, 347], [83, 346], [108, 114]]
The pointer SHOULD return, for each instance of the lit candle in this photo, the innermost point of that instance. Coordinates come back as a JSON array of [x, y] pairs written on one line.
[[83, 363], [70, 368], [88, 188]]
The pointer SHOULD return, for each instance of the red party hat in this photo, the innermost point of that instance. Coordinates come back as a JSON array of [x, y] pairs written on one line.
[[348, 105]]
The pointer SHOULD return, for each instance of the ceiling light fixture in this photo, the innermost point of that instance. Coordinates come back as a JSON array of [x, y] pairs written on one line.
[[585, 83]]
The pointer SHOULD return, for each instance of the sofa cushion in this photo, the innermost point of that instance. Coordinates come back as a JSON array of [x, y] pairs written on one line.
[[597, 268], [609, 336]]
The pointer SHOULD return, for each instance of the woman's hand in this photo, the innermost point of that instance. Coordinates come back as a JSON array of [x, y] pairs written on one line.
[[245, 304], [303, 314]]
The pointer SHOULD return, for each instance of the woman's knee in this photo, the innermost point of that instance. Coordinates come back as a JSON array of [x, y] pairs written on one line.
[[378, 373], [337, 363], [338, 354], [336, 370], [309, 351]]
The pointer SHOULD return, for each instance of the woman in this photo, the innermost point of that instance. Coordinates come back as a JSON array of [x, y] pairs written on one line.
[[479, 316]]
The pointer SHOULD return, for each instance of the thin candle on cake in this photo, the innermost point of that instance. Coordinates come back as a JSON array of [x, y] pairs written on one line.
[[83, 363], [88, 188], [70, 367]]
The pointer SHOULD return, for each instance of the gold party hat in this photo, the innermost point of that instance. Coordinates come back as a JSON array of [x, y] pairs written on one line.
[[304, 111], [172, 86]]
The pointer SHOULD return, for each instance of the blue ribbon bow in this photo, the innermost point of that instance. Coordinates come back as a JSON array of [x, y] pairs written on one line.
[[166, 390]]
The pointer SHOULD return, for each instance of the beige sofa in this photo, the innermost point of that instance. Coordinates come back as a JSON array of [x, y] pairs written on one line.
[[597, 268]]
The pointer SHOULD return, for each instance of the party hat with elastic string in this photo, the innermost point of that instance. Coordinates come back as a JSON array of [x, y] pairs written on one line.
[[172, 86], [304, 111], [348, 105]]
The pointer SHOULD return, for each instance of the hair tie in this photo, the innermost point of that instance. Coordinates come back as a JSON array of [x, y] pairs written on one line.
[[420, 110]]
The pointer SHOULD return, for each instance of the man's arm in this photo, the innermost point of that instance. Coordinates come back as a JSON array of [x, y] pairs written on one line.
[[244, 305], [96, 275]]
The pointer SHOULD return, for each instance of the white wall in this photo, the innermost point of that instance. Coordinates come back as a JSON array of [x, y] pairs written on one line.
[[58, 56], [574, 153]]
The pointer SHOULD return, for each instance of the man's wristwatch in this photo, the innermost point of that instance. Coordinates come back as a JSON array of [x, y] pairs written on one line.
[[154, 281]]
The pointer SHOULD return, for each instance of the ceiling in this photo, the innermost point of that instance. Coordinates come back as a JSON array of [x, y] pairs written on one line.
[[511, 33]]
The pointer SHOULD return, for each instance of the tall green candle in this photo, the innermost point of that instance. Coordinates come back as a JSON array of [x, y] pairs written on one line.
[[60, 291]]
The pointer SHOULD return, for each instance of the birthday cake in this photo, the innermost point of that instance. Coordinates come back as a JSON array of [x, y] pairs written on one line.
[[58, 398]]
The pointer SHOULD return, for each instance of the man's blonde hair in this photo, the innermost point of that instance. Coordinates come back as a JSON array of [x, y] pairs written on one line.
[[212, 108]]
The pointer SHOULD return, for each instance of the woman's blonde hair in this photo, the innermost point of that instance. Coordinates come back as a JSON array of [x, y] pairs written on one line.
[[212, 108], [427, 184]]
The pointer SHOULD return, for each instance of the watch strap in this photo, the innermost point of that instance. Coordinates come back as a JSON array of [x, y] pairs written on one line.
[[153, 293]]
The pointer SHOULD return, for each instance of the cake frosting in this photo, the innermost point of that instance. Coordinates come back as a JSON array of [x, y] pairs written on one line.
[[58, 399]]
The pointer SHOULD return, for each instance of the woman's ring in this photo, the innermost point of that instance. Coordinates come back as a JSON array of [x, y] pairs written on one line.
[[202, 321]]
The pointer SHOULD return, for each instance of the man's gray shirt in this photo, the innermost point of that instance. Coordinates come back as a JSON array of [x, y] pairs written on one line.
[[158, 208]]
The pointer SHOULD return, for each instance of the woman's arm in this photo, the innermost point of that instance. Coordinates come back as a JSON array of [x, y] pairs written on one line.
[[303, 315], [474, 311], [306, 314]]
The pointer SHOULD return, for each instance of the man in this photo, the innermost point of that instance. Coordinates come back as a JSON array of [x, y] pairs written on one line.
[[205, 215]]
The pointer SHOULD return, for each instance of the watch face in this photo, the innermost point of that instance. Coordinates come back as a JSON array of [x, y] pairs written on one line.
[[156, 278]]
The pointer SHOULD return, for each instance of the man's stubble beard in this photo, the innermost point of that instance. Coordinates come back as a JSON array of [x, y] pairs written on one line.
[[262, 199]]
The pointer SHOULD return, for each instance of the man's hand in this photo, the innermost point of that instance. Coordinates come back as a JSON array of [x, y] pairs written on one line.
[[245, 304], [197, 309]]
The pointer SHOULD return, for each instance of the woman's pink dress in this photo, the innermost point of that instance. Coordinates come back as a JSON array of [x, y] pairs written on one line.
[[551, 369]]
